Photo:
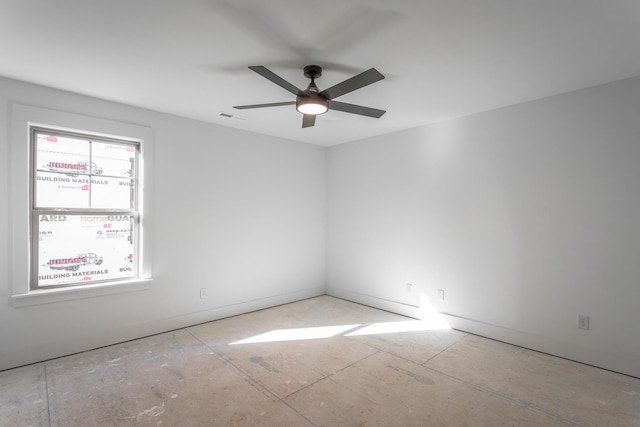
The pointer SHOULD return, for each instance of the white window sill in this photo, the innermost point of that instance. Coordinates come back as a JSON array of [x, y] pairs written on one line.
[[46, 296]]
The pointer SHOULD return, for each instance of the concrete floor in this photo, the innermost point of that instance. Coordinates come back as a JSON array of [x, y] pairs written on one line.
[[262, 369]]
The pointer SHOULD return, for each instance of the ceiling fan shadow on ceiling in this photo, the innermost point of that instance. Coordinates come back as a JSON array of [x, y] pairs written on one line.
[[312, 102]]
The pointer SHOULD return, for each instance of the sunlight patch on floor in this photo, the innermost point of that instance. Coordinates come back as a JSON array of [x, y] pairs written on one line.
[[431, 320], [278, 335]]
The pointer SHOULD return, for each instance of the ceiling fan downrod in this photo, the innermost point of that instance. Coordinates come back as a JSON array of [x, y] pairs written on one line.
[[312, 102]]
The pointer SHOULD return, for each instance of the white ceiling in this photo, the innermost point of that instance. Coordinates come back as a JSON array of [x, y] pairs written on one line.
[[441, 58]]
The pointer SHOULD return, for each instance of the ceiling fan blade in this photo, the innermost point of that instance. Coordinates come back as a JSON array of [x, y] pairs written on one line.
[[356, 109], [356, 82], [270, 75], [273, 104], [308, 120]]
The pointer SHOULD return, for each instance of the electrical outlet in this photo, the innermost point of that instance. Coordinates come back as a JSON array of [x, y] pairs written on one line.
[[203, 293], [441, 294], [583, 322]]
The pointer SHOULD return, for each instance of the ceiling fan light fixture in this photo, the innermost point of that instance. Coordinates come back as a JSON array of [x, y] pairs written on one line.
[[313, 104]]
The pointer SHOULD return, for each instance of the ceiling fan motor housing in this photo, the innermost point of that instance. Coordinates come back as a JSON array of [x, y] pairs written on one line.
[[312, 71]]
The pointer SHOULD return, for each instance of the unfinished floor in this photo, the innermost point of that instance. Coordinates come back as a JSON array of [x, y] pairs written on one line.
[[317, 362]]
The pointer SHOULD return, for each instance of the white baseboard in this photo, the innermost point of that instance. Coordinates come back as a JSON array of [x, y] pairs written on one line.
[[602, 358], [234, 309], [599, 357], [63, 347], [376, 302]]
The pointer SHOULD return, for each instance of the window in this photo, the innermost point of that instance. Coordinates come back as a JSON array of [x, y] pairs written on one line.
[[116, 200], [84, 220]]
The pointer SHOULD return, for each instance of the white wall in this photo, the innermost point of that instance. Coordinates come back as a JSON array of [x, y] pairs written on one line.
[[238, 213], [526, 216]]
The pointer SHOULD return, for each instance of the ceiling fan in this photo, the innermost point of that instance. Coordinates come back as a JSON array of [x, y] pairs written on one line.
[[311, 101]]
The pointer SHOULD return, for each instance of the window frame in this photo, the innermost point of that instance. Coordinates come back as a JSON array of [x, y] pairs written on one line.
[[36, 210], [23, 118]]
